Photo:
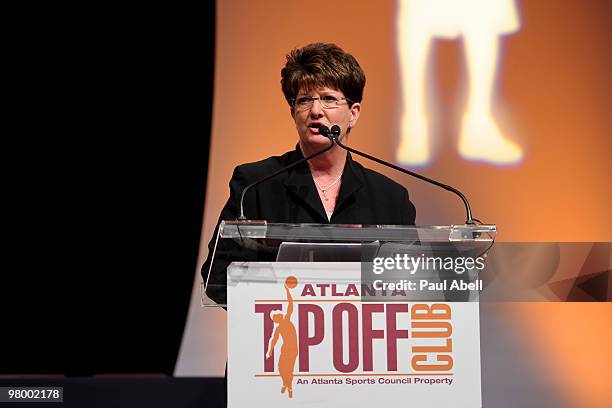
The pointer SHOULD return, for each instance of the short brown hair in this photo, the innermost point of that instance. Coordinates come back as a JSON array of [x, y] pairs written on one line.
[[319, 64]]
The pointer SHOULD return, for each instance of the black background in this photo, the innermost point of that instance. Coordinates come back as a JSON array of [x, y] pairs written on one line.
[[106, 160]]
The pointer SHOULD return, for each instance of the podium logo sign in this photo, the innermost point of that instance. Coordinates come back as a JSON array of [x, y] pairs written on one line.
[[317, 341]]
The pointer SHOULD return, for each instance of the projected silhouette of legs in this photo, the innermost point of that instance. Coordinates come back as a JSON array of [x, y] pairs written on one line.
[[480, 23]]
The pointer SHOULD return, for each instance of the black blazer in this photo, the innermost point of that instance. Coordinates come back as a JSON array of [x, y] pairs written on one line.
[[365, 197]]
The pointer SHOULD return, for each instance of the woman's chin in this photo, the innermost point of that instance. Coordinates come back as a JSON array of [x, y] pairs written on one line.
[[316, 139]]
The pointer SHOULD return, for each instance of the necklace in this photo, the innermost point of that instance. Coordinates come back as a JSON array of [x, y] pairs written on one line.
[[326, 188]]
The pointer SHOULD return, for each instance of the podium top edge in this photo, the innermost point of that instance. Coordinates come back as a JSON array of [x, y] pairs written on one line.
[[255, 223], [267, 230]]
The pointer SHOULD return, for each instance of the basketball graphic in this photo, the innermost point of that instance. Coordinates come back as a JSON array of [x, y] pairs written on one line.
[[291, 282]]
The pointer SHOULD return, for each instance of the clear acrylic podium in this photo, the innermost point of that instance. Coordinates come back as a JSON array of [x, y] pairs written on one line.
[[345, 343]]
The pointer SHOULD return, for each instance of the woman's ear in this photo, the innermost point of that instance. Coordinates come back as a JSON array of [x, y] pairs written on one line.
[[355, 111]]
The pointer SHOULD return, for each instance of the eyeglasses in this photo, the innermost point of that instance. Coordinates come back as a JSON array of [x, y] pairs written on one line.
[[327, 102]]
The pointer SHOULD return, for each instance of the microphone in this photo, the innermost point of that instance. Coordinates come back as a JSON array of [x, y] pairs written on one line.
[[334, 135], [335, 132], [322, 129]]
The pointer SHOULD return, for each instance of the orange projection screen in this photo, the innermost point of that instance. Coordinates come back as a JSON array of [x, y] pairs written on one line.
[[549, 97]]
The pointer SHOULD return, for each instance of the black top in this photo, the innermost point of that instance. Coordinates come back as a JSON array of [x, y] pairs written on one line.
[[365, 197]]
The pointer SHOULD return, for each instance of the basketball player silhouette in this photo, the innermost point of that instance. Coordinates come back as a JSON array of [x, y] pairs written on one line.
[[284, 328]]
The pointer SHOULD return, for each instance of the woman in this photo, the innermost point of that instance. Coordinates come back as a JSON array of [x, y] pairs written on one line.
[[323, 85]]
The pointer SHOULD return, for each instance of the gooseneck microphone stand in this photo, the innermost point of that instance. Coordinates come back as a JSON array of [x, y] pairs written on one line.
[[334, 136]]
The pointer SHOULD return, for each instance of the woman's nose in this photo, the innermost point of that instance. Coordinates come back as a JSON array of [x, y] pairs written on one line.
[[316, 111]]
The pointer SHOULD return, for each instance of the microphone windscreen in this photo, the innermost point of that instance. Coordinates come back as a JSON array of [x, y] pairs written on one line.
[[324, 130], [335, 131]]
